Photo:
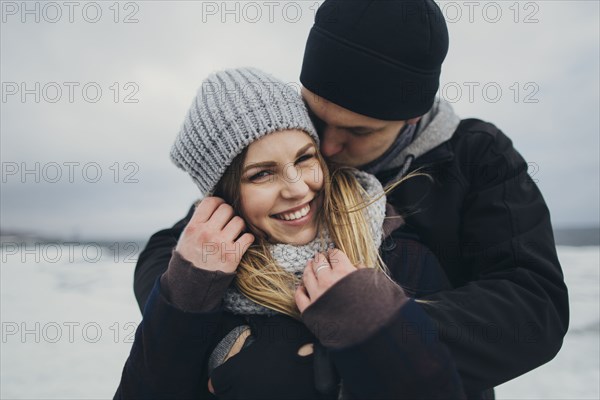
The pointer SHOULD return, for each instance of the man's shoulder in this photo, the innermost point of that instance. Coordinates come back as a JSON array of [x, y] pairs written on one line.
[[472, 128], [472, 138], [475, 136]]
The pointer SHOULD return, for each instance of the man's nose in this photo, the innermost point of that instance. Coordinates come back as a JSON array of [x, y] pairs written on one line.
[[332, 142]]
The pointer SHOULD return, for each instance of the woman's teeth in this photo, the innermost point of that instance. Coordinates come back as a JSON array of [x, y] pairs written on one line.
[[295, 215]]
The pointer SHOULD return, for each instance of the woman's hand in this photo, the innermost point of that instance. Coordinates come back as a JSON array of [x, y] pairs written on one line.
[[209, 239], [320, 274]]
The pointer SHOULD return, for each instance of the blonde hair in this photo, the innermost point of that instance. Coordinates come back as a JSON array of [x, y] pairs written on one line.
[[261, 279]]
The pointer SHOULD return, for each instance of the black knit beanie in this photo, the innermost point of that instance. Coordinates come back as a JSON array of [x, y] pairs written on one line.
[[379, 58]]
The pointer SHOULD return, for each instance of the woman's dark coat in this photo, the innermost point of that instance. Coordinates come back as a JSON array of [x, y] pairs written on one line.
[[400, 357]]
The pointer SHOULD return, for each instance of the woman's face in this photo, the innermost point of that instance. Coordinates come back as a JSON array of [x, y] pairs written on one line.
[[281, 183]]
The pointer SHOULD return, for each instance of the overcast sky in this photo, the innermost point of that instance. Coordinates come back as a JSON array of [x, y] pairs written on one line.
[[93, 94]]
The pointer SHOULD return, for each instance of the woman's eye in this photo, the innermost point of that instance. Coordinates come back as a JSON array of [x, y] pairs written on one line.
[[259, 175], [305, 157]]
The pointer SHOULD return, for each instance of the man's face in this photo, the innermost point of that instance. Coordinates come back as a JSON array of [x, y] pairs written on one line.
[[349, 138]]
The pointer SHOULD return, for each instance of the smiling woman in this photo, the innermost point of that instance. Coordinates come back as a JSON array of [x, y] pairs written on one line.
[[288, 197], [277, 288], [279, 190]]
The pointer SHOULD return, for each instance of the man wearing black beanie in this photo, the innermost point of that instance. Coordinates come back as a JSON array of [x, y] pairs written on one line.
[[370, 74]]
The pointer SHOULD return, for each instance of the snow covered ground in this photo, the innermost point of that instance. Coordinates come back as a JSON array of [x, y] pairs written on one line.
[[68, 316]]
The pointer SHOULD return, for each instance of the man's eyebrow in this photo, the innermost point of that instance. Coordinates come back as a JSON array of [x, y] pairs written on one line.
[[264, 164]]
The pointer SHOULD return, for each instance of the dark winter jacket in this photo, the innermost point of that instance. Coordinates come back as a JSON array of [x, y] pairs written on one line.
[[485, 219], [381, 343]]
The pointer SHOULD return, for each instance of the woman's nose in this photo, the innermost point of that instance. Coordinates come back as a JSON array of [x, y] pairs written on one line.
[[294, 184]]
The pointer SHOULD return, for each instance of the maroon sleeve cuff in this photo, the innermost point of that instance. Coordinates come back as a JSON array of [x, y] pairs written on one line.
[[354, 308], [193, 289]]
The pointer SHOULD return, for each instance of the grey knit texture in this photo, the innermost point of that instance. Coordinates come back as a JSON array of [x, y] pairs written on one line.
[[232, 109], [293, 258], [224, 347]]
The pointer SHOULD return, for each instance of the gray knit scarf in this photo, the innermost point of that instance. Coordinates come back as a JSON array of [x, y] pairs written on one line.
[[293, 258]]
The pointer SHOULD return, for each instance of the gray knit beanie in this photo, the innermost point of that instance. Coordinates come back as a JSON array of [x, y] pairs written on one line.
[[232, 109]]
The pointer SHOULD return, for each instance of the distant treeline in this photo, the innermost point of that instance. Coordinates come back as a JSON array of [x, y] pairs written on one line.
[[589, 236], [577, 236]]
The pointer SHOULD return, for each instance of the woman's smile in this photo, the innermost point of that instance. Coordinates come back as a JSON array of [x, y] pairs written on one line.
[[297, 216]]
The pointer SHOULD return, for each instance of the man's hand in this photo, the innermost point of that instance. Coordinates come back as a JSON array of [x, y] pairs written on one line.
[[320, 274], [209, 239]]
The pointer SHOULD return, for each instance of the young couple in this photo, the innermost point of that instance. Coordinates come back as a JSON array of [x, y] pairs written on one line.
[[286, 282], [276, 288]]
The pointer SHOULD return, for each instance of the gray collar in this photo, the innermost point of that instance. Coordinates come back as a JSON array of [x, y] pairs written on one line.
[[435, 128], [404, 139]]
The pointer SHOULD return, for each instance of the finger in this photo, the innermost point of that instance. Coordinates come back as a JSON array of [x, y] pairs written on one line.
[[221, 216], [206, 208], [302, 299], [244, 242], [234, 255], [234, 228], [320, 262], [309, 279], [338, 259]]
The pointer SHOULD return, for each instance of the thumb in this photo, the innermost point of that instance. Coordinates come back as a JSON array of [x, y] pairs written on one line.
[[302, 299], [338, 258]]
